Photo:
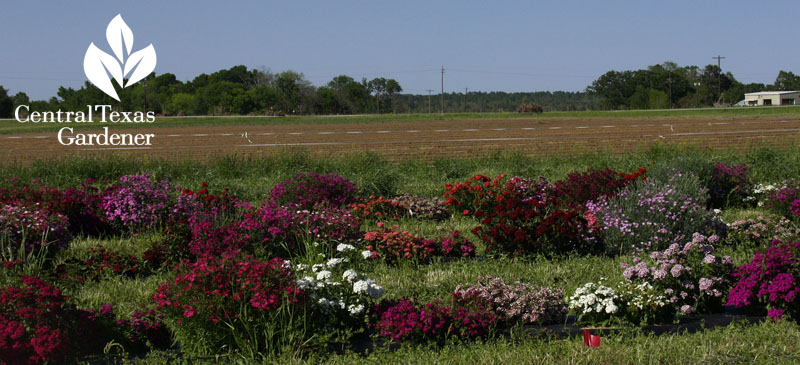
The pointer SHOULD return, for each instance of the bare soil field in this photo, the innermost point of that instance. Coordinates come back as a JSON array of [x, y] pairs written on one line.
[[430, 139]]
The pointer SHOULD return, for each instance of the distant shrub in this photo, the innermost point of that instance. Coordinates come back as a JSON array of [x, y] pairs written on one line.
[[307, 189], [529, 108], [761, 231]]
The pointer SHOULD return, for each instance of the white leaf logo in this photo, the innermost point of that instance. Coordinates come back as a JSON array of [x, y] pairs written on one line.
[[98, 65]]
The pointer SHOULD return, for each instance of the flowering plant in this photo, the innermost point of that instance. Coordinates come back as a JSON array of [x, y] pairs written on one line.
[[771, 280], [595, 303], [393, 245], [339, 296], [761, 231], [307, 189], [407, 320], [78, 205], [243, 293], [518, 302], [691, 277], [729, 186], [652, 214], [137, 202], [31, 228], [786, 200]]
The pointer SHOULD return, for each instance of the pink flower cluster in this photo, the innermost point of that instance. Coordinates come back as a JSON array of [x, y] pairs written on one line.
[[516, 302], [690, 275], [136, 202], [34, 225], [770, 280]]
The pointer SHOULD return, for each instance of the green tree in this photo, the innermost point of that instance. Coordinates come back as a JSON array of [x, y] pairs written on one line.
[[6, 104], [787, 81]]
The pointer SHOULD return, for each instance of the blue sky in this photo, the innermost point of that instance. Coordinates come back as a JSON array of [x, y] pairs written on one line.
[[483, 45]]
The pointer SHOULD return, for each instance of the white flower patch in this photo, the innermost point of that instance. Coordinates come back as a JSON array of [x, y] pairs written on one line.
[[366, 254], [324, 275], [343, 247], [350, 275], [317, 267], [355, 309], [368, 287], [335, 261]]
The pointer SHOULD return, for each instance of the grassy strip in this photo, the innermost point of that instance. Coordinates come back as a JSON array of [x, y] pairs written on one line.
[[252, 177], [12, 126]]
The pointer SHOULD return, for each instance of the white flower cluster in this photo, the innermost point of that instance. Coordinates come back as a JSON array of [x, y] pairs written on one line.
[[343, 247], [642, 296], [760, 191], [595, 298], [368, 287]]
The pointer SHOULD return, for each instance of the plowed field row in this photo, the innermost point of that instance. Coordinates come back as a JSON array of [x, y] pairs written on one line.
[[430, 139]]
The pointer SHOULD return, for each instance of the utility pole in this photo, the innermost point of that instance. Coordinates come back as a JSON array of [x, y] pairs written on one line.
[[442, 111], [466, 90], [719, 76], [669, 82], [429, 99]]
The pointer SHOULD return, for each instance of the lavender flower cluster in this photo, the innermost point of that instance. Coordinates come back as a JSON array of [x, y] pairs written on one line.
[[651, 215], [516, 302]]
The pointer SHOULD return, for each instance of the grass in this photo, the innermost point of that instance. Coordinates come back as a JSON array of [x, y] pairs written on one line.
[[11, 126]]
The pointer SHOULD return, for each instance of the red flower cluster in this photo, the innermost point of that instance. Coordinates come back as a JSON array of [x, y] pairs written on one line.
[[214, 287], [394, 246], [379, 208], [100, 263], [523, 216]]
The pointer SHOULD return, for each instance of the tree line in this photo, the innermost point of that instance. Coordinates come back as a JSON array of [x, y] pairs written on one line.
[[239, 91], [669, 86]]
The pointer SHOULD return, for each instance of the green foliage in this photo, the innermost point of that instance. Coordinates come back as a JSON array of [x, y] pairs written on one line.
[[6, 104]]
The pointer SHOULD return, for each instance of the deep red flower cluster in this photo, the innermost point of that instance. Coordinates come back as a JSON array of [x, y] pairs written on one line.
[[394, 246], [579, 188], [31, 315], [409, 321]]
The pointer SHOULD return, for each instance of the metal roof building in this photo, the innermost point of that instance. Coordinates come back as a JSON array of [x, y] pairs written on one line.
[[766, 98]]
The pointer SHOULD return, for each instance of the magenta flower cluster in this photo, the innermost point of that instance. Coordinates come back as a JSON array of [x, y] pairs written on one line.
[[516, 302], [770, 281], [692, 277], [786, 201], [308, 189], [408, 321]]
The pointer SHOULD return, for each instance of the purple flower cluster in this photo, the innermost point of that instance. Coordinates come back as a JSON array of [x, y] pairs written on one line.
[[652, 214], [689, 275], [516, 302], [136, 202], [770, 280], [409, 321], [308, 189]]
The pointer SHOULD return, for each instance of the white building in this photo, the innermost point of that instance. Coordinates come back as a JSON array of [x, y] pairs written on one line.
[[766, 98]]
